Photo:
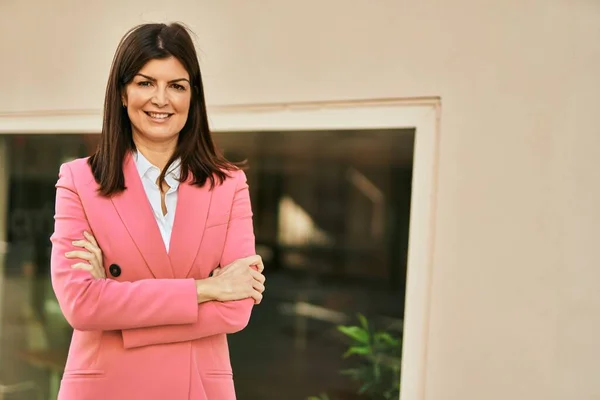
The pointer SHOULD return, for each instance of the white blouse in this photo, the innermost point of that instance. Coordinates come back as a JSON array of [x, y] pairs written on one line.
[[149, 174]]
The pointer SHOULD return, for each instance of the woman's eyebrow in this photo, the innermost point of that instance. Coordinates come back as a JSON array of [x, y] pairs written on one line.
[[173, 81]]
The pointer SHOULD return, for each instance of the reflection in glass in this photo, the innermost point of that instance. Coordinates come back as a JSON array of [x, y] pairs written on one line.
[[331, 212]]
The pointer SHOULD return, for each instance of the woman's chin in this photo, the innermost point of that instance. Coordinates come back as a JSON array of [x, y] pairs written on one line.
[[159, 135]]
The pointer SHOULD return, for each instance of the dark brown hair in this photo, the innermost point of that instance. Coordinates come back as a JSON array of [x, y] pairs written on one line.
[[195, 147]]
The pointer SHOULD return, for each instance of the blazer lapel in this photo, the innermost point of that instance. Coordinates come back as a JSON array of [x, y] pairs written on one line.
[[193, 204], [135, 211]]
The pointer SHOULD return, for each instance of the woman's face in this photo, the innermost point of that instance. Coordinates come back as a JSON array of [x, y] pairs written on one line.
[[158, 100]]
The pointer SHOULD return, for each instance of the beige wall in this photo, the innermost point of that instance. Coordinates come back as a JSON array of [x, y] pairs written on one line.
[[516, 307]]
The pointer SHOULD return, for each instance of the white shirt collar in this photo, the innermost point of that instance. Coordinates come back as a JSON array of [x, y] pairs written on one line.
[[146, 168]]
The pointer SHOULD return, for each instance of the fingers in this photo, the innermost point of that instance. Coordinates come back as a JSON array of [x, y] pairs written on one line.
[[259, 287], [254, 260], [96, 272], [84, 255], [91, 238], [91, 245], [260, 267], [83, 266], [257, 297], [95, 250], [250, 260], [258, 276], [93, 255]]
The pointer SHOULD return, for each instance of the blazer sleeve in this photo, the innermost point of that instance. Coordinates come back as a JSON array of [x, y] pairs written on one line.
[[213, 317], [105, 304]]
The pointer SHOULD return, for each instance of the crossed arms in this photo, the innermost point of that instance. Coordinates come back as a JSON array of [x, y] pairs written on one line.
[[148, 311]]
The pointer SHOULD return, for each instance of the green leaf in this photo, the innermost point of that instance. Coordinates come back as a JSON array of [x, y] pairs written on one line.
[[386, 338], [361, 350], [355, 332], [363, 321]]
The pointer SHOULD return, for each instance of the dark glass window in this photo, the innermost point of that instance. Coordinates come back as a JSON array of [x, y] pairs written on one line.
[[331, 212]]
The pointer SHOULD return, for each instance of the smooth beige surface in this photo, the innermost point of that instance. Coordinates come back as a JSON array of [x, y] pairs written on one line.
[[516, 305]]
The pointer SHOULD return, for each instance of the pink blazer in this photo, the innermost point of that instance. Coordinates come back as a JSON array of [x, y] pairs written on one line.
[[141, 334]]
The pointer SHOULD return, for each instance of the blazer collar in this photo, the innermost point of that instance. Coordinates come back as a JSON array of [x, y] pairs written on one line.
[[135, 211]]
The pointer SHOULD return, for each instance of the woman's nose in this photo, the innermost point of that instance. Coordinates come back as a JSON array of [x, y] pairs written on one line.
[[160, 98]]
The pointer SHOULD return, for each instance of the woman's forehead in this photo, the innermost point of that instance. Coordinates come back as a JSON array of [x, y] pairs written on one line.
[[165, 69]]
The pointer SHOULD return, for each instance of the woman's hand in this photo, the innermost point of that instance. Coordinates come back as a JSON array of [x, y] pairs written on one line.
[[92, 255], [241, 279]]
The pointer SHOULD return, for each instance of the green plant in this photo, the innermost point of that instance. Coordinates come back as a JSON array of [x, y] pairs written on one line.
[[379, 360], [379, 367]]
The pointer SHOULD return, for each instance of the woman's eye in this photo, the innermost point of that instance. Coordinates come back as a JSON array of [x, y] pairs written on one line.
[[178, 87], [144, 83]]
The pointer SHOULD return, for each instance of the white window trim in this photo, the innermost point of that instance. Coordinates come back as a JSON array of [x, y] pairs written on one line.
[[419, 114]]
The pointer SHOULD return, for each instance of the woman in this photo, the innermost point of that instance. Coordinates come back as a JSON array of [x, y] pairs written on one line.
[[141, 228]]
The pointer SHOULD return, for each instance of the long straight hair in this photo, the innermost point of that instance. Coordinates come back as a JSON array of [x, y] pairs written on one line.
[[195, 147]]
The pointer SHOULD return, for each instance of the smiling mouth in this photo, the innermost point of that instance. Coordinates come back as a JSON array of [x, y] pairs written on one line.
[[154, 115]]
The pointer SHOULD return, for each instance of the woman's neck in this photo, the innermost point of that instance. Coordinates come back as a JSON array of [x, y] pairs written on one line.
[[157, 154]]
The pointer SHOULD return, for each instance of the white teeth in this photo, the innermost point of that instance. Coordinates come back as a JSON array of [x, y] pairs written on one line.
[[158, 116]]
